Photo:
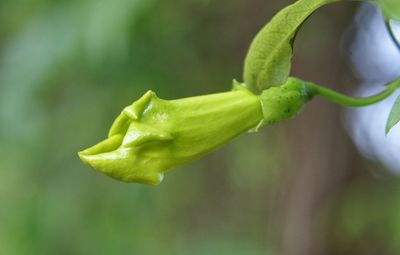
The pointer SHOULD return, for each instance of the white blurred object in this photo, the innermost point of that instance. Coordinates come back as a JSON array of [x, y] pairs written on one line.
[[373, 55], [375, 59]]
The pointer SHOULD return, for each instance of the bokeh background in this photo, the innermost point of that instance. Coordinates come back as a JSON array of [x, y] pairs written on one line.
[[305, 186]]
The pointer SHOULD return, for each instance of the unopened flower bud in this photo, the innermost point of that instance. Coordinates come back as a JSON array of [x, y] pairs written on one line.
[[153, 136]]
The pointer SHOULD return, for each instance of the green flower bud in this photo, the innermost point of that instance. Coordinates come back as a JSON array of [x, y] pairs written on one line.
[[153, 136]]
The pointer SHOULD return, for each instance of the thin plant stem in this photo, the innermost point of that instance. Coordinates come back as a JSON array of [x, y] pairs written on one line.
[[344, 100], [391, 33]]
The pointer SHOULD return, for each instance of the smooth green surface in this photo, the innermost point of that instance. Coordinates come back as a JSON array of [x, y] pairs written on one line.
[[394, 116], [268, 60], [391, 8]]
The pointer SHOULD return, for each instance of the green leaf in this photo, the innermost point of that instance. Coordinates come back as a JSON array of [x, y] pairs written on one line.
[[268, 60], [391, 8], [394, 116]]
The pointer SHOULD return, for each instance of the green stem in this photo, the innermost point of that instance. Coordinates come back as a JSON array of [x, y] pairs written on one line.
[[391, 33], [351, 101]]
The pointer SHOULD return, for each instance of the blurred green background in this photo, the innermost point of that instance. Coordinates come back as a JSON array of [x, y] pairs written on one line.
[[67, 68]]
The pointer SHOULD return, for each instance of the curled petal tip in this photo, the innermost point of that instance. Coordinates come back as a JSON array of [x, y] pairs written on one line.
[[82, 156]]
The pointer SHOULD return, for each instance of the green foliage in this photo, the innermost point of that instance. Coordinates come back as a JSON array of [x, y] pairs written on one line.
[[268, 60], [391, 8], [394, 116]]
